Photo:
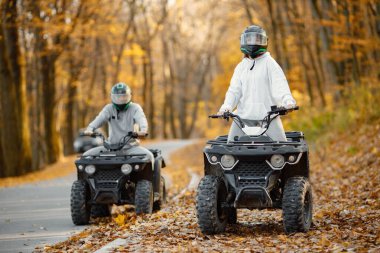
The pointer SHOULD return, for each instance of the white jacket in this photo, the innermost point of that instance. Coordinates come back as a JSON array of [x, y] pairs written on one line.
[[255, 91]]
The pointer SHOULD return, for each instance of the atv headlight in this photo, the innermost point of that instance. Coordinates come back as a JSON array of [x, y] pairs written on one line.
[[126, 169], [90, 169], [227, 161], [277, 161], [80, 167]]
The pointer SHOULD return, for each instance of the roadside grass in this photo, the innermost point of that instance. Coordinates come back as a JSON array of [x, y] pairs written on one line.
[[361, 106]]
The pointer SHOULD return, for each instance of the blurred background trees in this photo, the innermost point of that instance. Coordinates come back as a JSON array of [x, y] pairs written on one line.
[[59, 59]]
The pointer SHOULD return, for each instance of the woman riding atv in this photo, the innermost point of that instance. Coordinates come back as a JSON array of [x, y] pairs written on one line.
[[257, 84], [122, 115]]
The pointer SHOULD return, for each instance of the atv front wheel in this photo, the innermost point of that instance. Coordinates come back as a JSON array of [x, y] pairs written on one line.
[[297, 205], [80, 209], [159, 203], [100, 210], [211, 194], [144, 197]]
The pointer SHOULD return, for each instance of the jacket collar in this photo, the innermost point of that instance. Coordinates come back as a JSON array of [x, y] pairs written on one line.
[[266, 54]]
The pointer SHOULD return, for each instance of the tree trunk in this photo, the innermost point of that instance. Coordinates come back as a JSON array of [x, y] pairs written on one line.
[[247, 11], [14, 135], [49, 90]]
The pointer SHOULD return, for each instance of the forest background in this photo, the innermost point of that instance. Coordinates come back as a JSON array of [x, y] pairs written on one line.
[[59, 59]]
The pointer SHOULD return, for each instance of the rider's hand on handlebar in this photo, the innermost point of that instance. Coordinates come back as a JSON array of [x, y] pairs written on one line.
[[221, 112], [142, 134], [290, 104], [88, 132]]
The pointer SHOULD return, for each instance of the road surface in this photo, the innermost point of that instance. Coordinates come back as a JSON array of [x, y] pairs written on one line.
[[39, 213]]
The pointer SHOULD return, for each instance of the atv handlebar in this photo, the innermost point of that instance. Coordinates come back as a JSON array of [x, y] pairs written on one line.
[[271, 115], [281, 110], [130, 134], [274, 110], [137, 134]]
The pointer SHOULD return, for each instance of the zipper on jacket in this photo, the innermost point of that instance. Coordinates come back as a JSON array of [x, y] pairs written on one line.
[[253, 65]]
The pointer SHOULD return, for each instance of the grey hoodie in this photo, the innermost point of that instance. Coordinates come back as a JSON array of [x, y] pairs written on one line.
[[120, 122]]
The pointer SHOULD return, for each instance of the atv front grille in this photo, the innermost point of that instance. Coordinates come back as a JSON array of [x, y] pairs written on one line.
[[106, 185], [252, 173], [108, 174]]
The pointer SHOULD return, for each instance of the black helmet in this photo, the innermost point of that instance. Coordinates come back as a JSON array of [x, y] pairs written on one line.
[[253, 41]]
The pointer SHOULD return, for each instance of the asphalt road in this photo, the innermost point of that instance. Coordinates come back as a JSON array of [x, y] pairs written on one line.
[[36, 214]]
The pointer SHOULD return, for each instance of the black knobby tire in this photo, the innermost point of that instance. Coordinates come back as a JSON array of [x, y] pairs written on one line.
[[100, 210], [211, 194], [159, 203], [80, 209], [297, 205], [144, 197], [232, 215]]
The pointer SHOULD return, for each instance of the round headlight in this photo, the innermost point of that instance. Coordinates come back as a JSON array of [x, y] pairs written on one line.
[[126, 169], [214, 159], [227, 161], [80, 167], [277, 161], [90, 169], [292, 158], [137, 167]]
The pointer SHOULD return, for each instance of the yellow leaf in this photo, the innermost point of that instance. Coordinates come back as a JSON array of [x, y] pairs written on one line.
[[120, 219]]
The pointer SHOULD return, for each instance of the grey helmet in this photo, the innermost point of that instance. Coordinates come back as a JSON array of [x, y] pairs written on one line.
[[121, 95], [253, 41]]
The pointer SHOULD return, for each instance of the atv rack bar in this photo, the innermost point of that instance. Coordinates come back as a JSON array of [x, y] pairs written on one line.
[[245, 143]]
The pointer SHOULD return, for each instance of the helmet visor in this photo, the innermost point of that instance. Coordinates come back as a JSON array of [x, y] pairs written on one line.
[[253, 38], [120, 99]]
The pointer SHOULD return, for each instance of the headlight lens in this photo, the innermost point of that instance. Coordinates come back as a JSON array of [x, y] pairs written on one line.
[[214, 159], [126, 169], [80, 167], [292, 158], [137, 167], [90, 169], [227, 161], [277, 161]]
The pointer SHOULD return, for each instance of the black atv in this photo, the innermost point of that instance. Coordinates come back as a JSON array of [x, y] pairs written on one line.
[[113, 177], [255, 172]]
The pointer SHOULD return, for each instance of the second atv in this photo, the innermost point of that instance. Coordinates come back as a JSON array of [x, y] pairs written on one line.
[[255, 172], [116, 177]]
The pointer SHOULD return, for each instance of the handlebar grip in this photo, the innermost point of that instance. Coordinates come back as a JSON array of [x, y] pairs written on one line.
[[142, 135], [214, 116], [296, 108]]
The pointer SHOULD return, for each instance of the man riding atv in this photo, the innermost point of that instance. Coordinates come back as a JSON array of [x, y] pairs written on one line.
[[122, 115], [120, 171]]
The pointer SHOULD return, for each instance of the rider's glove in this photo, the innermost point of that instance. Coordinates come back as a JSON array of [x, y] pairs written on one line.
[[89, 131], [133, 134], [289, 103], [223, 109]]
